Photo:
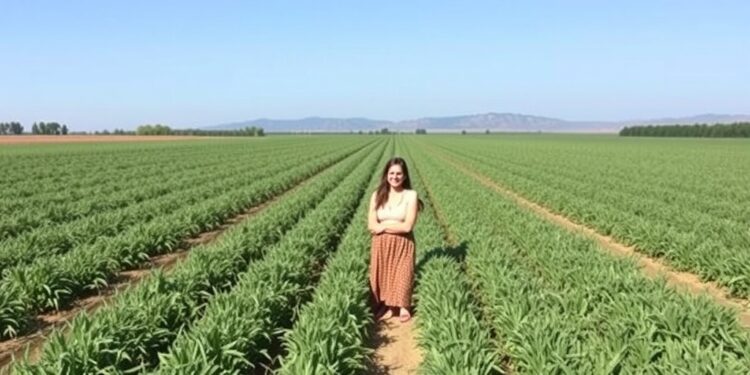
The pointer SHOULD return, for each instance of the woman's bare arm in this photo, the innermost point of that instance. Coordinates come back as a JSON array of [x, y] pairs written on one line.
[[411, 217], [372, 217]]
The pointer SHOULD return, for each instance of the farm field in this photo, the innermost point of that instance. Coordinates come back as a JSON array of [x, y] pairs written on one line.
[[47, 139], [687, 202], [273, 275]]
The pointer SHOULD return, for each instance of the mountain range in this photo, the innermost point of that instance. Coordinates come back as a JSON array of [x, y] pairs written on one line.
[[502, 122]]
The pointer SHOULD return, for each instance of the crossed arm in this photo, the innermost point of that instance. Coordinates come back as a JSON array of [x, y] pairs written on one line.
[[406, 226]]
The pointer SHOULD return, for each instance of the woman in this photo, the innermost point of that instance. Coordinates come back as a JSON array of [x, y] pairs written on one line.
[[391, 218]]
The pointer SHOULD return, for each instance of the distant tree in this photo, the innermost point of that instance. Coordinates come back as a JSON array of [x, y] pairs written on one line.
[[54, 128], [463, 132], [46, 128], [487, 131], [384, 131], [15, 128], [12, 127], [421, 131], [64, 129]]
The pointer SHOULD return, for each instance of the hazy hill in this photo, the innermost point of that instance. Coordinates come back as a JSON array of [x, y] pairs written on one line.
[[309, 124], [509, 122]]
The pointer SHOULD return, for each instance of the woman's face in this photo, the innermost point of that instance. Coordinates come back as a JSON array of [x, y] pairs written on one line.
[[395, 176]]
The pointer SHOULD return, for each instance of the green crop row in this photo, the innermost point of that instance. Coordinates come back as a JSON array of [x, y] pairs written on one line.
[[689, 238], [145, 320], [79, 165], [182, 192], [122, 186], [53, 283], [452, 339], [329, 335], [559, 304], [241, 328], [45, 212], [643, 207]]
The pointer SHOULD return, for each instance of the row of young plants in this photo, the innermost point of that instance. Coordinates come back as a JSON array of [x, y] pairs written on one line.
[[658, 173], [450, 333], [251, 317], [108, 185], [154, 199], [32, 162], [330, 333], [559, 304], [52, 283], [47, 177], [182, 191], [74, 163], [141, 322], [49, 169], [679, 172], [69, 162], [690, 239], [635, 195], [123, 186]]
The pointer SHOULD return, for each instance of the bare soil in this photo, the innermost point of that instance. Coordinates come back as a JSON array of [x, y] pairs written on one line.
[[651, 267], [45, 323], [396, 350], [41, 139]]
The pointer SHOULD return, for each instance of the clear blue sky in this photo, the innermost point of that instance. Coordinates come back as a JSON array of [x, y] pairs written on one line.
[[107, 64]]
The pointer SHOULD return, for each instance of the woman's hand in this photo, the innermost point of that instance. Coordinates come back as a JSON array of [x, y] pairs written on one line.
[[377, 229]]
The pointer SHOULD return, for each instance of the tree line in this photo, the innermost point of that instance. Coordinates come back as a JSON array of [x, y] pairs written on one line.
[[735, 130], [159, 129], [49, 128], [11, 128]]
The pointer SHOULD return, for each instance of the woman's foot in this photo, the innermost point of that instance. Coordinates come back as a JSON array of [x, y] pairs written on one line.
[[384, 313], [404, 315]]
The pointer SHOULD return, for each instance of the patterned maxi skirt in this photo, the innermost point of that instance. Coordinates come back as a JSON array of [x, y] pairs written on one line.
[[392, 269]]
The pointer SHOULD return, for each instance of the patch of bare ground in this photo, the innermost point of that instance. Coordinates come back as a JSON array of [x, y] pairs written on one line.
[[39, 139], [651, 267], [396, 350], [44, 324]]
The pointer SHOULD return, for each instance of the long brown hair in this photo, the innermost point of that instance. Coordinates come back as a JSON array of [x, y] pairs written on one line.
[[381, 195]]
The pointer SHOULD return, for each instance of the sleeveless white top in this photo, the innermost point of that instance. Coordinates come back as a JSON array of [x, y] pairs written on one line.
[[396, 212]]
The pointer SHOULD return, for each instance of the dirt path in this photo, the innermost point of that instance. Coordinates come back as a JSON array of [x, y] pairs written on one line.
[[396, 350], [46, 323], [652, 267]]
